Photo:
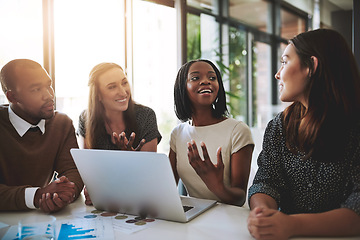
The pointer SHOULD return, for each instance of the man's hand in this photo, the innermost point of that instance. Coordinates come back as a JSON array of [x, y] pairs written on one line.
[[51, 203], [55, 196]]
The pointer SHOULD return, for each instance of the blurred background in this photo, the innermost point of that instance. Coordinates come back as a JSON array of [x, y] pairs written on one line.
[[152, 39]]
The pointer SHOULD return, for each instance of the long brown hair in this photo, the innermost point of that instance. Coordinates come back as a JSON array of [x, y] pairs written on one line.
[[95, 122], [333, 97]]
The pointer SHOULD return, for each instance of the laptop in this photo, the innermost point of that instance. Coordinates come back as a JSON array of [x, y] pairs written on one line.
[[136, 183]]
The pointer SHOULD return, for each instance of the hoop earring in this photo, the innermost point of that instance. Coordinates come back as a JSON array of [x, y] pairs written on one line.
[[214, 103], [309, 75]]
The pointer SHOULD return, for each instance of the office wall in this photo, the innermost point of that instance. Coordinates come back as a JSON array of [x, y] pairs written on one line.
[[342, 22]]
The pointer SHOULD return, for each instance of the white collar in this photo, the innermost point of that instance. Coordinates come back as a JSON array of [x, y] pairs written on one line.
[[22, 126]]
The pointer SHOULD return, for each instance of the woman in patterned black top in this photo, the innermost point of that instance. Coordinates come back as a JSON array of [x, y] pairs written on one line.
[[308, 181], [112, 117], [113, 121]]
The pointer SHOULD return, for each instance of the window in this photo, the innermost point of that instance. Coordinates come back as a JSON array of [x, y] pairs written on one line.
[[202, 37], [291, 24], [244, 48], [21, 32], [193, 37], [155, 63], [237, 68], [255, 13], [209, 29], [87, 33], [261, 81], [206, 5]]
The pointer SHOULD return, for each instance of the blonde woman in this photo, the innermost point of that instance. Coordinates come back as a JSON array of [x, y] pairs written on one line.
[[113, 120]]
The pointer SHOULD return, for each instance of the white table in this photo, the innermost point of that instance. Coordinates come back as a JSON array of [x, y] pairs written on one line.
[[220, 222]]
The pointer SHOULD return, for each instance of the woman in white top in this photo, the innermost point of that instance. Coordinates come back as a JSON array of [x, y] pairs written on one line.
[[221, 170]]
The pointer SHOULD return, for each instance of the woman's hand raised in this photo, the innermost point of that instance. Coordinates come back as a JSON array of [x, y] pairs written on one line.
[[124, 144], [211, 174]]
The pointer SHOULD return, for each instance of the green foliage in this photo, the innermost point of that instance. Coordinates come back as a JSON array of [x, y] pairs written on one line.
[[193, 37], [235, 72]]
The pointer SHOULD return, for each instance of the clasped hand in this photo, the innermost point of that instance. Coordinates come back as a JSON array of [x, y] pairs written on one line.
[[123, 143], [55, 196], [211, 174], [269, 224]]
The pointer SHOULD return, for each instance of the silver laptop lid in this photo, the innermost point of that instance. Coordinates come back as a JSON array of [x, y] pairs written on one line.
[[138, 183]]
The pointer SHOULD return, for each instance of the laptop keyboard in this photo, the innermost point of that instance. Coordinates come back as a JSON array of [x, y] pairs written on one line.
[[187, 208]]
